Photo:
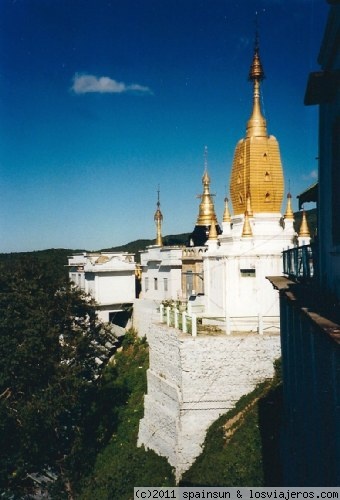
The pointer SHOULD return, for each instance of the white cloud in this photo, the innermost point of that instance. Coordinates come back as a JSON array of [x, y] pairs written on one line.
[[135, 87], [312, 175], [83, 84]]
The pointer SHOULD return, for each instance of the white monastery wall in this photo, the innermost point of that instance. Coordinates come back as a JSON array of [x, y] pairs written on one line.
[[115, 287], [231, 292], [194, 380], [108, 277], [161, 273], [145, 313]]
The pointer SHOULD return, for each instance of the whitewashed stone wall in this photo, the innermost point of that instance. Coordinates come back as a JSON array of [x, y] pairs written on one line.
[[145, 313], [194, 380]]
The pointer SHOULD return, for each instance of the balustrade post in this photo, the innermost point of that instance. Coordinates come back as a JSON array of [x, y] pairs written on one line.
[[260, 324], [161, 311], [176, 317], [184, 322], [194, 325], [168, 316]]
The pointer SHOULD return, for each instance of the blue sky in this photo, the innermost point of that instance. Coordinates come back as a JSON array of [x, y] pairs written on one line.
[[102, 101]]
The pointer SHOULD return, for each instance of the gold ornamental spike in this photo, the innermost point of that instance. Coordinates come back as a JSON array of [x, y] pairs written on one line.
[[289, 214], [256, 126], [257, 167], [212, 230], [206, 209], [256, 70], [246, 232], [226, 213], [249, 209], [304, 229], [158, 218]]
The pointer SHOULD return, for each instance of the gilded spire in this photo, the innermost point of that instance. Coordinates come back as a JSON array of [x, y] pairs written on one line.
[[289, 214], [158, 218], [257, 170], [246, 232], [304, 229], [256, 126], [212, 231], [226, 213], [206, 209], [249, 209], [205, 159]]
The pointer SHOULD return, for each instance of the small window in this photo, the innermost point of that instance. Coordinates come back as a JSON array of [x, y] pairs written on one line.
[[267, 198], [240, 198], [165, 284], [155, 283], [267, 176], [239, 178], [146, 284], [247, 273]]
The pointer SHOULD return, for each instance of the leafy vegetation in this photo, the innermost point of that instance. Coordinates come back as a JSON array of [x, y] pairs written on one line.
[[60, 416], [55, 259], [58, 412], [49, 340], [122, 465]]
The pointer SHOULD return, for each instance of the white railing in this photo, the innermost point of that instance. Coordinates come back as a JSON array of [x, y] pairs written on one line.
[[181, 320], [259, 323], [188, 322]]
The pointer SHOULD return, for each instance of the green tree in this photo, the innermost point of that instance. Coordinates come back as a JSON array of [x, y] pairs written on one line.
[[50, 338]]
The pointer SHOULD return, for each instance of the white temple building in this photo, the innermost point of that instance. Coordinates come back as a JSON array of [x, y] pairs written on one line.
[[110, 279], [161, 267], [252, 240], [161, 273], [194, 378]]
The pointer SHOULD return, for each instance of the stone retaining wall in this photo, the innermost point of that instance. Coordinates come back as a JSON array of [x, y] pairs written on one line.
[[194, 380]]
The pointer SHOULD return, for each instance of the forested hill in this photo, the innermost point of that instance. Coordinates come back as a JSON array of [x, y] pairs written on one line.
[[137, 245], [59, 255]]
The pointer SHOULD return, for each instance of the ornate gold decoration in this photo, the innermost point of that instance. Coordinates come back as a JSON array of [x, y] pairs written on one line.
[[289, 214], [138, 271], [257, 169], [206, 209], [249, 209], [212, 230], [158, 218], [226, 213], [246, 232], [304, 229]]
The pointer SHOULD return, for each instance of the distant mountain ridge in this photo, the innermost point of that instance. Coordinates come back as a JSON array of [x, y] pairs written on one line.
[[137, 245], [61, 254]]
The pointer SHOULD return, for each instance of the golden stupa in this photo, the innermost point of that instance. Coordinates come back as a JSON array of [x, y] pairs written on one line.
[[158, 218], [257, 170], [206, 212]]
